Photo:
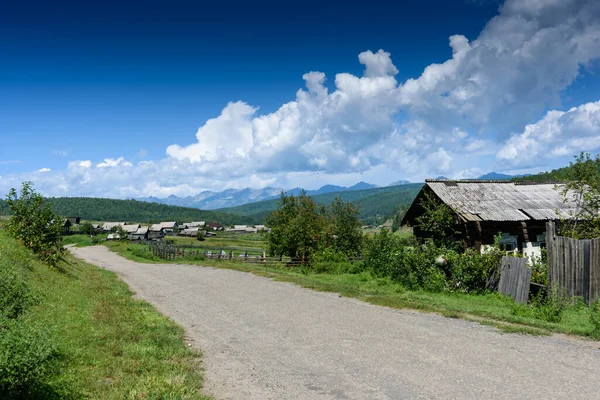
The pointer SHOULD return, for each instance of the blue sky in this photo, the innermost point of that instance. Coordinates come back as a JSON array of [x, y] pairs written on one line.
[[128, 99]]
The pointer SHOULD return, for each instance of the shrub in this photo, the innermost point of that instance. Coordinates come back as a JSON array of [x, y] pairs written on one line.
[[28, 358], [15, 296], [551, 305], [379, 252], [34, 223], [595, 319]]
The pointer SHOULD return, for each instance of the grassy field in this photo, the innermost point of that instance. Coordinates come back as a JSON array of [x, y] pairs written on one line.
[[112, 346], [490, 309]]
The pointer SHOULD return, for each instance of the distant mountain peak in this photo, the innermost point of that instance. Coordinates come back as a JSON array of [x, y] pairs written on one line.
[[495, 176]]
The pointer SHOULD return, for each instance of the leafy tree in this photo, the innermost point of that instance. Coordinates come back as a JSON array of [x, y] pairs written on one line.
[[34, 223], [345, 233], [296, 227], [582, 187], [438, 221], [87, 229]]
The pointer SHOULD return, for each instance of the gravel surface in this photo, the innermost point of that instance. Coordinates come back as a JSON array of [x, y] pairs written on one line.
[[263, 339]]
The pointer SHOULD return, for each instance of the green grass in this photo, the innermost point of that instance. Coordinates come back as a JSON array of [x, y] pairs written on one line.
[[113, 346], [81, 240], [488, 308]]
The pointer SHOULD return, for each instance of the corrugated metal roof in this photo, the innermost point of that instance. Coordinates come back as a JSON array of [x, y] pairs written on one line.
[[501, 201]]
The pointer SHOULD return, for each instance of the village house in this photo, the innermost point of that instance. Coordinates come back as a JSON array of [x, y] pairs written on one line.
[[155, 232], [74, 220], [140, 234], [192, 232], [109, 226], [483, 209]]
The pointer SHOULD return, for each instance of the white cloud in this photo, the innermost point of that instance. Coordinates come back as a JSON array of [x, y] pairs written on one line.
[[44, 170], [557, 134], [110, 162]]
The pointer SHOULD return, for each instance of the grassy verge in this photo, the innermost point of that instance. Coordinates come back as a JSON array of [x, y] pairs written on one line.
[[111, 346], [82, 240], [489, 308]]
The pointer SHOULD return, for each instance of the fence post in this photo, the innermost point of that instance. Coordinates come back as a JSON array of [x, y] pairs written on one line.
[[586, 272]]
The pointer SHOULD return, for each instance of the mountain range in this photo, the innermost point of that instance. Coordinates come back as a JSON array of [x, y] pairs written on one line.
[[209, 200]]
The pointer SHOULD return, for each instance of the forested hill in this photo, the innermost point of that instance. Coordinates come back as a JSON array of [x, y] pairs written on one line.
[[135, 211], [376, 205], [556, 175]]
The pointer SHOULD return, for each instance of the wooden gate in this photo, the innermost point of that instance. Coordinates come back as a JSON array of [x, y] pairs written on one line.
[[515, 277], [573, 265]]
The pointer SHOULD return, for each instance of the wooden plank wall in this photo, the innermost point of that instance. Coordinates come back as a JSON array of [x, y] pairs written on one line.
[[573, 265], [515, 277]]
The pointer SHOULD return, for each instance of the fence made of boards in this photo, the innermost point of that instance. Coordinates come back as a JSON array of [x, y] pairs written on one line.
[[573, 265], [172, 252], [515, 278]]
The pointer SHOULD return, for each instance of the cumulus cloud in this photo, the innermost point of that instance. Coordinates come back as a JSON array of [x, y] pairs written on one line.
[[557, 134], [447, 120], [111, 162], [44, 170]]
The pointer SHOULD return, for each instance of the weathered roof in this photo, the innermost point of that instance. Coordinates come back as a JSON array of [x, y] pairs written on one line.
[[142, 230], [199, 224], [131, 228], [156, 227], [189, 232], [501, 200], [109, 225], [168, 225]]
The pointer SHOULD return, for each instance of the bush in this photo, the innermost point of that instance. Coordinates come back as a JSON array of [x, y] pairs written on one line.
[[28, 358], [332, 261], [15, 296], [34, 223], [550, 306], [595, 319]]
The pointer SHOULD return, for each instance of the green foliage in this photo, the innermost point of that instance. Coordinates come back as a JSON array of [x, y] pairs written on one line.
[[296, 227], [428, 266], [35, 224], [437, 221], [539, 269], [95, 209], [28, 358], [595, 319], [331, 261], [582, 186], [28, 351], [376, 205], [550, 306], [15, 295], [87, 229], [398, 216], [201, 235], [344, 232]]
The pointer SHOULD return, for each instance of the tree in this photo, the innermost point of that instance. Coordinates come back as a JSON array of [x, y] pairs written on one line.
[[582, 189], [35, 224], [344, 233], [87, 229], [438, 221], [296, 227]]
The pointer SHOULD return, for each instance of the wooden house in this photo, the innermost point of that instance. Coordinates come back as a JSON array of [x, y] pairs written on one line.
[[139, 234], [483, 209], [156, 232]]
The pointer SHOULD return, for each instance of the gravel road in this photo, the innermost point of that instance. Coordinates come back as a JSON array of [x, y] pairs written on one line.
[[263, 339]]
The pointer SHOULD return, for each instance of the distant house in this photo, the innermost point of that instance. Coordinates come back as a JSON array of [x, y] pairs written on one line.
[[169, 228], [213, 225], [192, 232], [130, 228], [109, 226], [197, 224], [140, 234], [482, 209], [66, 224], [74, 220], [156, 232]]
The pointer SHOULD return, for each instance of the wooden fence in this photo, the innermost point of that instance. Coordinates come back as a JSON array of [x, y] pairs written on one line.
[[515, 278], [573, 265], [172, 252]]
